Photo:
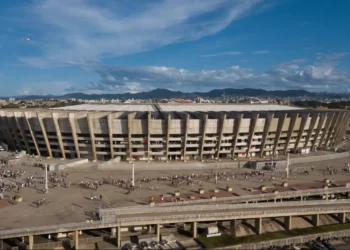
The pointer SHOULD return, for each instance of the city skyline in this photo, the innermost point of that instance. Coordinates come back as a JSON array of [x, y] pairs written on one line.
[[58, 47]]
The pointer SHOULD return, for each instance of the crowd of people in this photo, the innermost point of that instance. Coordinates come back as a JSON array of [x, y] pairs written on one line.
[[19, 178]]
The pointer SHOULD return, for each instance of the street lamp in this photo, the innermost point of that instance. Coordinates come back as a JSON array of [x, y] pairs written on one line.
[[216, 173], [287, 169], [133, 175], [46, 181]]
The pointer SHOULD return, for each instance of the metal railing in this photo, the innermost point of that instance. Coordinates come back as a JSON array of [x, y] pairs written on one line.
[[231, 214], [237, 199]]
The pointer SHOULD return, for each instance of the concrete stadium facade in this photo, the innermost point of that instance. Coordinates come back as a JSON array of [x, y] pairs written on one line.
[[170, 135]]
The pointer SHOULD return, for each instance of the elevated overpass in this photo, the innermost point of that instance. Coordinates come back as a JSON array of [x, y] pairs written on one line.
[[155, 217]]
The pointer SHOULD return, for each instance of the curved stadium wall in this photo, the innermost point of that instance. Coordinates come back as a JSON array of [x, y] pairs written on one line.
[[160, 135]]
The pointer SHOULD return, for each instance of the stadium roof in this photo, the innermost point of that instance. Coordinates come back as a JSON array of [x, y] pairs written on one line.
[[178, 107]]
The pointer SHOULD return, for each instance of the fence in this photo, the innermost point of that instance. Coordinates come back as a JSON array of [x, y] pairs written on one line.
[[59, 244], [317, 158]]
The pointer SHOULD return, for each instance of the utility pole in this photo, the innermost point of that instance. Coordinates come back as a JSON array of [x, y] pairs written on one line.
[[133, 175], [46, 181]]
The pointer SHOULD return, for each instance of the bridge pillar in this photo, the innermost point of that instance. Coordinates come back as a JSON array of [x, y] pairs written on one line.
[[233, 224], [117, 236], [315, 220], [288, 222], [258, 225], [31, 242], [76, 240], [342, 218], [157, 228], [194, 229]]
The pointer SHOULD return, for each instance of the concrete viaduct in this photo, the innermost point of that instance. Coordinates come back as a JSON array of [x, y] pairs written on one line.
[[154, 217]]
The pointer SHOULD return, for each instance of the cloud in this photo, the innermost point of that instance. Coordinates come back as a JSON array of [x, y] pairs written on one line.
[[260, 52], [227, 53], [34, 62], [296, 74], [331, 56], [44, 88], [77, 30]]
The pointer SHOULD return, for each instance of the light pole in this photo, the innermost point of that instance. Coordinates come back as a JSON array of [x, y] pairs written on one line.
[[287, 169], [46, 181], [216, 173], [133, 175]]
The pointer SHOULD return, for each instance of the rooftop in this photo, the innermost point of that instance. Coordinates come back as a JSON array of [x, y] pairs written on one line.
[[178, 107]]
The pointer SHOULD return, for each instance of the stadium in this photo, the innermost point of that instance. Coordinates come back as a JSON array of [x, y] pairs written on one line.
[[168, 132]]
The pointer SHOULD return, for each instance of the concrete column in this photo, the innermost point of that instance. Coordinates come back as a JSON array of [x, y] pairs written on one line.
[[337, 127], [315, 117], [330, 118], [72, 123], [110, 132], [194, 229], [12, 128], [5, 130], [252, 126], [24, 136], [168, 138], [236, 127], [31, 242], [43, 130], [233, 224], [315, 219], [130, 118], [58, 133], [204, 127], [341, 129], [342, 218], [186, 133], [281, 121], [294, 117], [31, 133], [319, 127], [157, 228], [221, 135], [92, 135], [76, 240], [266, 132], [331, 129], [305, 118], [258, 225], [149, 120], [118, 236], [288, 222]]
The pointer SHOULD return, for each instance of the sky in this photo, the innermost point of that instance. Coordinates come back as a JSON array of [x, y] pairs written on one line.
[[118, 46]]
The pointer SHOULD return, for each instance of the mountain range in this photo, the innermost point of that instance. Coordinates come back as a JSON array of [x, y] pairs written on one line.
[[165, 93]]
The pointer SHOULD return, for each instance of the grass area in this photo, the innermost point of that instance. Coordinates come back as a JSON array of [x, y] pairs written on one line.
[[229, 240]]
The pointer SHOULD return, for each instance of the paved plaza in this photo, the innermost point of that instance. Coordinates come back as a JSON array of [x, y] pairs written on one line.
[[73, 204]]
